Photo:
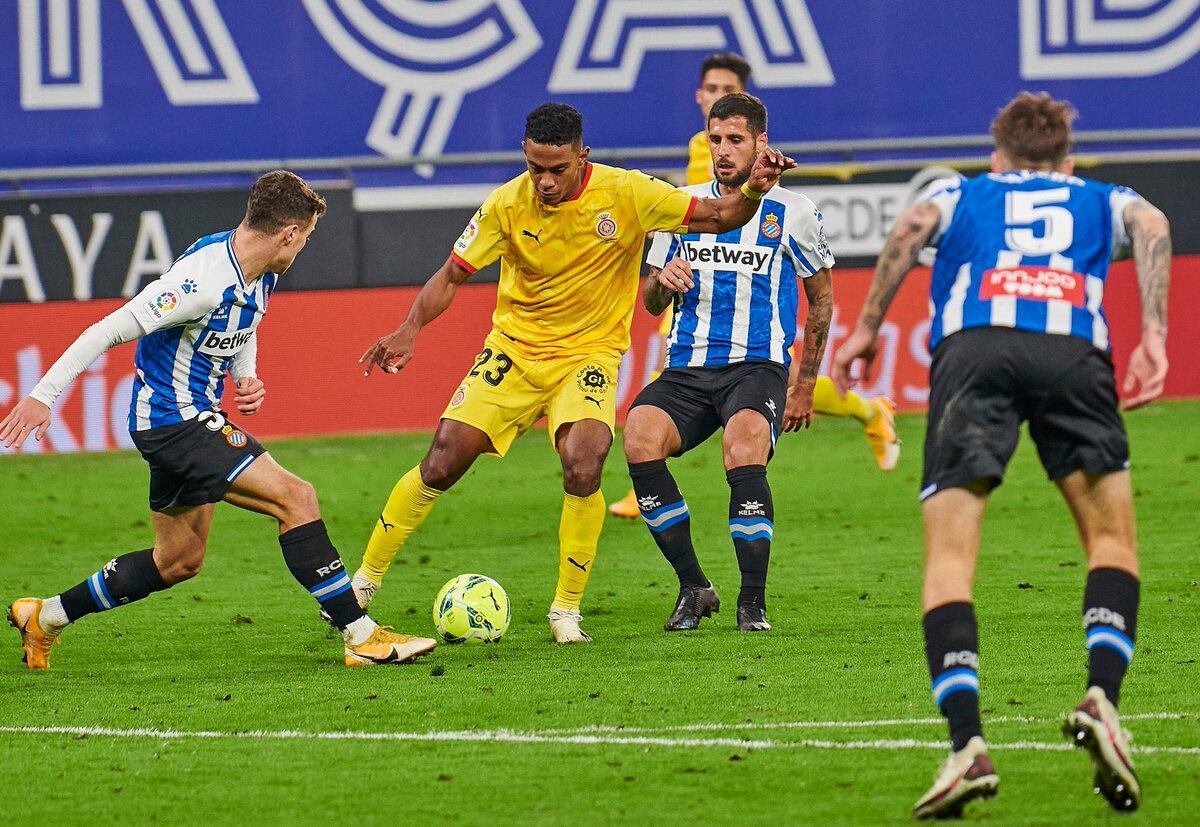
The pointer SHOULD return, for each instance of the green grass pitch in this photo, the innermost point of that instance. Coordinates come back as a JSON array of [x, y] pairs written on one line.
[[642, 727]]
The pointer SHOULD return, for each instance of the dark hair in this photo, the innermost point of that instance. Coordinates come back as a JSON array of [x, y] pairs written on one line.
[[280, 198], [727, 60], [743, 105], [1035, 129], [554, 123]]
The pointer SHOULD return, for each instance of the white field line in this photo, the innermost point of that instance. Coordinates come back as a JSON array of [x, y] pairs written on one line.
[[504, 736], [883, 722]]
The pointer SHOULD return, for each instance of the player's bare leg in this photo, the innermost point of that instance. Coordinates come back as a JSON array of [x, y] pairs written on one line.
[[454, 450], [650, 437], [268, 488], [1103, 511], [953, 518], [747, 447], [180, 542], [582, 448]]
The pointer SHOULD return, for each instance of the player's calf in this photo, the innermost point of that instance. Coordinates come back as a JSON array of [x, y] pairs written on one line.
[[751, 527]]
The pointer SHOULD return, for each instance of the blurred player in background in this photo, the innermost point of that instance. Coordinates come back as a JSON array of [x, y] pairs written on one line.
[[569, 235], [1019, 335], [720, 75], [194, 323], [733, 321]]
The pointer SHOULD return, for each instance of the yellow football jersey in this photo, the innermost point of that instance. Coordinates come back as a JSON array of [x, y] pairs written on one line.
[[699, 168], [569, 273]]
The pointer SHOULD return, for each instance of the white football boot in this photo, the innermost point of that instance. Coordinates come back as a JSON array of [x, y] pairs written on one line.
[[966, 775], [564, 626], [1093, 725]]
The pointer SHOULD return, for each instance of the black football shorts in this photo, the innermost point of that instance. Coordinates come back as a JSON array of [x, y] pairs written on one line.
[[195, 462], [701, 400], [984, 382]]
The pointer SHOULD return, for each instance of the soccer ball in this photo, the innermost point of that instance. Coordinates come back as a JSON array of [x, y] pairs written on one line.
[[471, 608]]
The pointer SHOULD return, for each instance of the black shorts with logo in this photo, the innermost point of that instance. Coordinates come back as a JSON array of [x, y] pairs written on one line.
[[701, 400], [195, 462], [984, 382]]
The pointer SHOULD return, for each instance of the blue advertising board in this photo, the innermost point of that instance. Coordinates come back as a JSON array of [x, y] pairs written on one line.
[[154, 81]]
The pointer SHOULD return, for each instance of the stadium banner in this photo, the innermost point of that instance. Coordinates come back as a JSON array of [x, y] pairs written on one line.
[[60, 247], [312, 340], [186, 81]]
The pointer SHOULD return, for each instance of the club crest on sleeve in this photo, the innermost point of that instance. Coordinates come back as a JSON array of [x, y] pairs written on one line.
[[606, 225], [459, 396], [770, 226]]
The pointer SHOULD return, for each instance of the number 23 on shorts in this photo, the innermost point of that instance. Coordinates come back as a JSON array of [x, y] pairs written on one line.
[[502, 364]]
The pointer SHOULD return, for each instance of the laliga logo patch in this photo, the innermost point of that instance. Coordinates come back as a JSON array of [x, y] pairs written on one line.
[[163, 304], [770, 227], [606, 227], [464, 240], [459, 397]]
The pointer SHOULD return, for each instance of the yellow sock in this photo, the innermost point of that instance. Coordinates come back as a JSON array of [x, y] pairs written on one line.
[[407, 507], [826, 401], [578, 534]]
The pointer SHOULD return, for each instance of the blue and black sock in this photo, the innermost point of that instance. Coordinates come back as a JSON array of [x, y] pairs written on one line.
[[952, 647], [123, 579], [751, 525], [666, 515], [1110, 605], [314, 562]]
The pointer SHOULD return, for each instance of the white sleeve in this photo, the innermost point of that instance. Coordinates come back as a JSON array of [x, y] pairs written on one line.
[[174, 298], [245, 362], [114, 329], [662, 249], [1118, 200], [806, 240], [943, 194]]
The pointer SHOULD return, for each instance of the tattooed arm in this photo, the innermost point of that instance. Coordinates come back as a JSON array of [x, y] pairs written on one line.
[[909, 235], [797, 413], [1150, 233]]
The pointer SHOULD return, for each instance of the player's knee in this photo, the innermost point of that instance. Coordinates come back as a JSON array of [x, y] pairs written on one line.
[[581, 473], [300, 502], [181, 560], [642, 442], [438, 470]]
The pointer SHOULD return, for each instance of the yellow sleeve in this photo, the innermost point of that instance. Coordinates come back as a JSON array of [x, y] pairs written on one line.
[[659, 205], [484, 240], [699, 168]]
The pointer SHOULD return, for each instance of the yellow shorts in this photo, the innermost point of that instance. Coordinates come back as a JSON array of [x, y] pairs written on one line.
[[504, 394]]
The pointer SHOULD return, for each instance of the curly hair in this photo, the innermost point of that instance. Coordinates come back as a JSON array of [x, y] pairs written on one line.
[[1035, 129], [554, 123]]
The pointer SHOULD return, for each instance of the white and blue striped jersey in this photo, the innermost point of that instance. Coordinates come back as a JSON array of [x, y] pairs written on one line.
[[1026, 250], [743, 304], [197, 317]]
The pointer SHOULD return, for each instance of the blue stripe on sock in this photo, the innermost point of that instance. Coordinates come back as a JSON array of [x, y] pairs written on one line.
[[758, 535], [95, 597], [329, 581], [750, 521], [956, 680], [335, 592], [1111, 638], [104, 588], [678, 518]]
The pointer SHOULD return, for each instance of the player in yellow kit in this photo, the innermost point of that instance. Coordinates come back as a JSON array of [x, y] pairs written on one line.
[[569, 235], [720, 75]]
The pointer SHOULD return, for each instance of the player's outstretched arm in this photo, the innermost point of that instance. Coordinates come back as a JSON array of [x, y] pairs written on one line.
[[1150, 233], [719, 215], [797, 413], [32, 414], [394, 351], [908, 236]]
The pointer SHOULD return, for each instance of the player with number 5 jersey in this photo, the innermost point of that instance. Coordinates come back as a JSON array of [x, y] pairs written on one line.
[[1019, 335], [569, 236]]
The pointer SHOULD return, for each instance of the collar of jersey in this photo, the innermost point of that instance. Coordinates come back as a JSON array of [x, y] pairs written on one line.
[[233, 259]]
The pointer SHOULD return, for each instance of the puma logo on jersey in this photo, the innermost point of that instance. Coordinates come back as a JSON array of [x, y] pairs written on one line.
[[593, 399], [577, 564], [536, 238], [715, 255]]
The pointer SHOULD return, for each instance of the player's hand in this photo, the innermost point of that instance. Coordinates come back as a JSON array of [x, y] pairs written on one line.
[[676, 276], [27, 416], [797, 411], [767, 169], [1147, 371], [248, 394], [392, 352], [859, 347]]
